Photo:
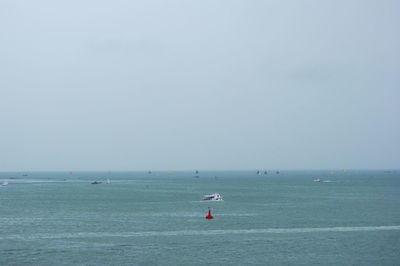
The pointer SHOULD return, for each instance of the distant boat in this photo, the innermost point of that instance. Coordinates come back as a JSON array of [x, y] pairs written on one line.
[[149, 172], [265, 173], [5, 183], [317, 180], [108, 181], [258, 172], [277, 172], [213, 197], [95, 183]]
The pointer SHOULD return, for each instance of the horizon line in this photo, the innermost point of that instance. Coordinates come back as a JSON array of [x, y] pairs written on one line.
[[214, 170]]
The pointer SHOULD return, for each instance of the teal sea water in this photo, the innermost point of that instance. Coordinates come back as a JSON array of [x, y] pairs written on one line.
[[349, 218]]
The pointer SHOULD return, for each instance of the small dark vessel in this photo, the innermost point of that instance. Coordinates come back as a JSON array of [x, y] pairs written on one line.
[[277, 172], [95, 183], [265, 173], [149, 172], [258, 172], [196, 174]]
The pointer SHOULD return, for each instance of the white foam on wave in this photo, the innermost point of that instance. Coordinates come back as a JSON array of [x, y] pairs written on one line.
[[201, 232]]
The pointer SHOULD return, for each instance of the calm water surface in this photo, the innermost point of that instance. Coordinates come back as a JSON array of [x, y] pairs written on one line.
[[60, 218]]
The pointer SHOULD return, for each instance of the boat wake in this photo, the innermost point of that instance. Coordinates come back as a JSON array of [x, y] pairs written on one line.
[[201, 232]]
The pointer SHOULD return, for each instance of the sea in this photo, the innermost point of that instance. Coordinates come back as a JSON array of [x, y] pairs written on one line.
[[158, 218]]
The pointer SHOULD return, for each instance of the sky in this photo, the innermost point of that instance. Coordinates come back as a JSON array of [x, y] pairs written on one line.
[[207, 85]]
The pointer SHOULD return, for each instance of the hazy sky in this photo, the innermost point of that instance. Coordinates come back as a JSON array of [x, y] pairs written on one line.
[[135, 85]]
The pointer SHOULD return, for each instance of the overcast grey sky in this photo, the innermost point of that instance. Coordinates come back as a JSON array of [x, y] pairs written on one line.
[[134, 85]]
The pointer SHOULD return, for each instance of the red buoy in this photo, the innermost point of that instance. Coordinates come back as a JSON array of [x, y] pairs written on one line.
[[209, 216]]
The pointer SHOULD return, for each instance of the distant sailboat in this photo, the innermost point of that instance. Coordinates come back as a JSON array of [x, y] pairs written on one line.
[[108, 181]]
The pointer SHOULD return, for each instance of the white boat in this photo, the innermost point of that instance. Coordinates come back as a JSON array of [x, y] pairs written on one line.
[[5, 183], [317, 180], [213, 197], [108, 181]]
